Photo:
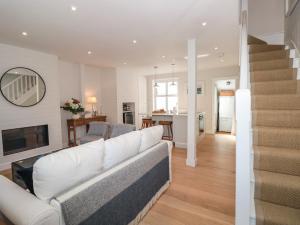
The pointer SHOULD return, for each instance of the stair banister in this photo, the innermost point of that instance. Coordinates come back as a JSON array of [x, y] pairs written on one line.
[[243, 128]]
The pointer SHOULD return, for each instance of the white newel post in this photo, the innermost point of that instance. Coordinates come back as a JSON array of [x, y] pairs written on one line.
[[243, 160], [192, 103]]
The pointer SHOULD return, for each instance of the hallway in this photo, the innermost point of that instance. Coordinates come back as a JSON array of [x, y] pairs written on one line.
[[204, 195]]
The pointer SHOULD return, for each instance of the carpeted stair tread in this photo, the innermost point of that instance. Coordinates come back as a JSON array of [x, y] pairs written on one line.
[[273, 75], [275, 87], [270, 64], [276, 118], [277, 188], [253, 40], [263, 56], [277, 137], [265, 48], [277, 160], [272, 214], [284, 101]]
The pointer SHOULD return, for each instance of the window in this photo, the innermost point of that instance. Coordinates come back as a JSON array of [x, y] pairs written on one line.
[[165, 96]]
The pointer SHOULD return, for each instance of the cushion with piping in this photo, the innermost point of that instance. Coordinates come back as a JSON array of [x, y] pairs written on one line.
[[57, 172], [150, 137], [121, 148]]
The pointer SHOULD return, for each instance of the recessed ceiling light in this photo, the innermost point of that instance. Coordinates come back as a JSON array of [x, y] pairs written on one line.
[[216, 48], [134, 41], [163, 56], [73, 8], [89, 52], [24, 33], [202, 55], [204, 24], [125, 63]]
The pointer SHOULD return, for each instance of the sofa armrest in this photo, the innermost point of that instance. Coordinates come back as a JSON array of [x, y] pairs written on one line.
[[22, 208], [170, 148]]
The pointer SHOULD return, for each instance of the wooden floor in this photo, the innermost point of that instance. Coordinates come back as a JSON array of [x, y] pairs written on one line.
[[204, 195]]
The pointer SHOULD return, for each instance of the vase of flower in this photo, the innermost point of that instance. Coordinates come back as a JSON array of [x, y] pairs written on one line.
[[74, 106], [75, 116]]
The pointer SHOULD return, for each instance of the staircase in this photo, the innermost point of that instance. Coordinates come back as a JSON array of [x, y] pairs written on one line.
[[275, 98]]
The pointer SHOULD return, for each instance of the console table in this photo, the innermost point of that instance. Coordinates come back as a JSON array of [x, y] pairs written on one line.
[[72, 124]]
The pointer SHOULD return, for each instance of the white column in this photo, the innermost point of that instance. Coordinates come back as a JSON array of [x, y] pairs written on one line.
[[192, 103]]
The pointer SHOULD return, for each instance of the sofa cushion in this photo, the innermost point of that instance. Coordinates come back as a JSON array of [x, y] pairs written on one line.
[[121, 148], [119, 129], [98, 128], [150, 137], [57, 172], [89, 138]]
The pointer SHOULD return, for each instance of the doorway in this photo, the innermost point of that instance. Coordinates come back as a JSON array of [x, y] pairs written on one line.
[[224, 106]]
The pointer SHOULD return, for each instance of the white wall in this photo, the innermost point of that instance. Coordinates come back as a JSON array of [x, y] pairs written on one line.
[[64, 80], [266, 20], [292, 28], [70, 87], [82, 81], [46, 112], [205, 101]]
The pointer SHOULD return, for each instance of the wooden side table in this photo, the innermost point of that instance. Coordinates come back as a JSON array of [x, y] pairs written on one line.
[[72, 124]]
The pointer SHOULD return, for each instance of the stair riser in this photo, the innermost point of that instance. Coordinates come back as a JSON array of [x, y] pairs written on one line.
[[278, 102], [277, 194], [274, 163], [276, 75], [273, 89], [268, 56], [277, 138], [270, 65], [276, 119], [264, 48]]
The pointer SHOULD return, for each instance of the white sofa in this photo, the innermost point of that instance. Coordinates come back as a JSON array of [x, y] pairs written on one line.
[[63, 176]]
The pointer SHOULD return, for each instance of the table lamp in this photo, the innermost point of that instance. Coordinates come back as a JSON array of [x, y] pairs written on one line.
[[92, 100]]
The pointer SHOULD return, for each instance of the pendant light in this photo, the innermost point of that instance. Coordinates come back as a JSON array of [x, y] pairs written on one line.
[[173, 71], [155, 74]]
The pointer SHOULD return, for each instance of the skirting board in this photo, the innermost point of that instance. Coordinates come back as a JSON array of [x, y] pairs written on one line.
[[180, 145], [295, 55]]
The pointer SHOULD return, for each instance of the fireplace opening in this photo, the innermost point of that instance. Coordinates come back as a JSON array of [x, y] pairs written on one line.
[[25, 138]]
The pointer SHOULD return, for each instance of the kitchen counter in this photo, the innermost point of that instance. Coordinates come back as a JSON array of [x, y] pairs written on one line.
[[179, 126]]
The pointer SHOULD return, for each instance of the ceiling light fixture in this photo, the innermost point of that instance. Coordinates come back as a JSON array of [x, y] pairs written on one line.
[[204, 24], [163, 56], [89, 52], [24, 33], [134, 41], [203, 55], [73, 8], [216, 48]]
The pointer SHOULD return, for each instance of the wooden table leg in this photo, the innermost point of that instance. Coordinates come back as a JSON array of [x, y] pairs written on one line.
[[74, 135]]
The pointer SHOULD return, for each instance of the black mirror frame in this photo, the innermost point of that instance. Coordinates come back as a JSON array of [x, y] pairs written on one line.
[[20, 67]]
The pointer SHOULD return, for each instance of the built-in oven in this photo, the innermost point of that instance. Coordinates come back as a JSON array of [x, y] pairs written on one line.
[[128, 117]]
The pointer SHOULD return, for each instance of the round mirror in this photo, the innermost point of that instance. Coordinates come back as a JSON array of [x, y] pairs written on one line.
[[22, 87]]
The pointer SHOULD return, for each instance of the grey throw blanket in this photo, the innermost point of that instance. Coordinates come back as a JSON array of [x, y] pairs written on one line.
[[118, 198]]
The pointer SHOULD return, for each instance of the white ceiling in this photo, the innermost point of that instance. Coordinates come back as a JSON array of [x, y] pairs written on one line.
[[107, 28]]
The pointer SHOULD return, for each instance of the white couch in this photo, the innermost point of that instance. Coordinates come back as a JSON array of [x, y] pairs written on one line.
[[61, 175]]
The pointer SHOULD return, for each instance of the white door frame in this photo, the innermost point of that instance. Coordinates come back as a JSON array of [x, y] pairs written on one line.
[[236, 78]]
